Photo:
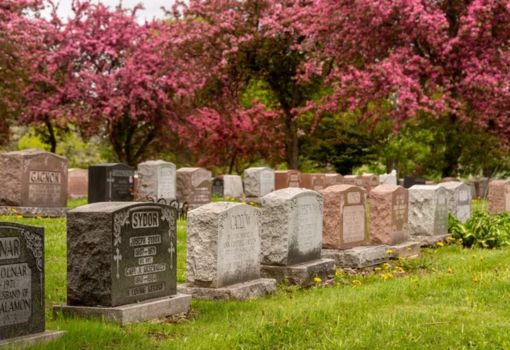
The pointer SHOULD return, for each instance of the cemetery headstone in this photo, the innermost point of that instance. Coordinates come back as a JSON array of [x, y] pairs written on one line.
[[286, 178], [232, 186], [369, 181], [33, 179], [499, 196], [389, 214], [332, 179], [292, 237], [218, 187], [77, 183], [122, 262], [389, 179], [410, 181], [22, 285], [428, 210], [111, 182], [314, 182], [194, 186], [458, 199], [354, 180], [258, 181], [156, 180], [483, 187], [344, 217], [223, 258]]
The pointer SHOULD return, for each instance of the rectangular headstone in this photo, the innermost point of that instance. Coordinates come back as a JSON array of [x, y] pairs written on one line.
[[314, 182], [21, 280], [428, 210], [258, 181], [232, 186], [194, 186], [156, 180], [33, 178], [286, 178], [291, 226], [218, 187], [120, 253], [111, 182], [389, 205], [458, 199], [499, 196], [77, 183], [410, 181], [332, 179], [344, 217], [223, 244], [388, 179]]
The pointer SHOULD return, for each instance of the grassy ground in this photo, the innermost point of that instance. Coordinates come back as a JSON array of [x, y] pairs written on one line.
[[451, 298]]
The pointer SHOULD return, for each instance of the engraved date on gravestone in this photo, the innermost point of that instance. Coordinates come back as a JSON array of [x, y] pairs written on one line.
[[144, 257]]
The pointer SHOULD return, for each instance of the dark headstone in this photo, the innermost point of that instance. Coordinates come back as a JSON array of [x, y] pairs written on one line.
[[120, 253], [33, 178], [410, 181], [111, 183], [194, 186], [21, 280], [218, 189]]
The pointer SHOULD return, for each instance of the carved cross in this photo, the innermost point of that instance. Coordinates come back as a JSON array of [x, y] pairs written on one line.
[[117, 257], [171, 250]]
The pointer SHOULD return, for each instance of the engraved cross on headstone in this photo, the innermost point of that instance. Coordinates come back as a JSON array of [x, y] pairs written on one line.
[[117, 257], [110, 181], [171, 250]]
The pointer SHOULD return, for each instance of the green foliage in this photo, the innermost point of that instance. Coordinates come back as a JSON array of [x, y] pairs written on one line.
[[482, 230]]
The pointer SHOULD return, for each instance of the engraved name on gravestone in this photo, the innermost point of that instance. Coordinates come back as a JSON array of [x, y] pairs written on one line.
[[111, 183], [33, 178], [21, 280], [139, 263], [156, 180]]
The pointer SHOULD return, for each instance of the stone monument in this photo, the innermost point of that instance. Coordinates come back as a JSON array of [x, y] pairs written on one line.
[[194, 186], [232, 186], [458, 197], [258, 181], [292, 237], [77, 183], [111, 182], [122, 262], [156, 180], [499, 196], [286, 178], [332, 179], [314, 182], [223, 260]]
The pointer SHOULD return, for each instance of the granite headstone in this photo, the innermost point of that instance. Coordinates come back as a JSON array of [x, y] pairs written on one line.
[[194, 186], [77, 183], [428, 210], [218, 187], [156, 180], [232, 186], [286, 178], [315, 182], [410, 181], [111, 182], [258, 181], [458, 199], [499, 196]]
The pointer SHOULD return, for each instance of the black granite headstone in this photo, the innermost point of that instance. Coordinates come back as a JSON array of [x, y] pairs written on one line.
[[120, 253], [218, 187], [410, 181], [21, 280], [111, 183]]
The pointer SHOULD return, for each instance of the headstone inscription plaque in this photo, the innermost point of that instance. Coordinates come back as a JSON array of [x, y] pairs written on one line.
[[112, 182]]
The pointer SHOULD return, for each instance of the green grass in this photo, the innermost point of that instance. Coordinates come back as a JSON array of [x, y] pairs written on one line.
[[451, 298]]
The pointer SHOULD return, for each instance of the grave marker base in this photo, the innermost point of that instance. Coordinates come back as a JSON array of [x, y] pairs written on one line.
[[34, 211], [358, 257], [240, 291], [301, 274], [30, 339], [430, 241], [131, 313], [409, 249]]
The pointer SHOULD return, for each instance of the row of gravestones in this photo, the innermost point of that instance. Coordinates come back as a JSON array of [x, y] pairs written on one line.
[[121, 256]]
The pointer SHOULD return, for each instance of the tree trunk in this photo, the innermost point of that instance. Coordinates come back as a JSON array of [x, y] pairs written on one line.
[[52, 139], [291, 144], [453, 148]]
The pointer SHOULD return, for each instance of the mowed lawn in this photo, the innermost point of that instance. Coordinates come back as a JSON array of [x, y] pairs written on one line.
[[451, 298]]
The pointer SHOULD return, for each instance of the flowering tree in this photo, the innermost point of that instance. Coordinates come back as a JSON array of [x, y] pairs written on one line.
[[407, 58]]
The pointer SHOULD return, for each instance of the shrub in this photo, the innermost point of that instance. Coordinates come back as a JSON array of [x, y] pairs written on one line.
[[482, 230]]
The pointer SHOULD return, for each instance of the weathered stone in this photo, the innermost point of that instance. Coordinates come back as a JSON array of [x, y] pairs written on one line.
[[428, 211], [286, 178], [120, 253], [34, 212], [431, 241], [389, 205], [499, 196], [291, 226], [369, 181], [358, 257], [388, 179], [239, 291], [472, 188], [332, 179], [258, 181], [111, 182], [314, 182], [344, 217], [355, 180], [156, 180], [194, 186], [21, 280], [409, 249], [302, 274], [232, 186], [130, 313], [33, 178], [77, 183], [223, 245], [410, 181], [29, 340], [458, 198]]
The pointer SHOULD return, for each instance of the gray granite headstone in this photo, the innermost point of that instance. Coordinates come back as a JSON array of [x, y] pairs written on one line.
[[33, 178], [223, 244], [21, 280], [258, 181], [291, 226], [156, 180], [388, 179], [428, 210], [232, 186], [111, 182], [458, 199], [120, 253]]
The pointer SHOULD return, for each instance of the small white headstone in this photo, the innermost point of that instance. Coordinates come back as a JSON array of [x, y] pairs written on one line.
[[232, 186]]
